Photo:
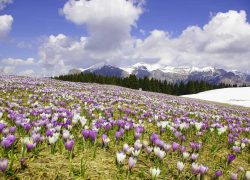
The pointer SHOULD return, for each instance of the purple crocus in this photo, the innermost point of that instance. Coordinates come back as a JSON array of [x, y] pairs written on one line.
[[49, 133], [175, 146], [131, 163], [8, 141], [203, 169], [12, 129], [195, 168], [117, 135], [30, 145], [105, 140], [236, 149], [27, 127], [2, 126], [4, 164], [69, 144], [93, 135], [85, 133], [230, 158], [218, 173], [183, 148], [154, 136]]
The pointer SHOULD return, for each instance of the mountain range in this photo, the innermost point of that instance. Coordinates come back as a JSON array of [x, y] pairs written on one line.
[[171, 74]]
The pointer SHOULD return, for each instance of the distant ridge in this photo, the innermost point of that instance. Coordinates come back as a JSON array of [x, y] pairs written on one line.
[[171, 74]]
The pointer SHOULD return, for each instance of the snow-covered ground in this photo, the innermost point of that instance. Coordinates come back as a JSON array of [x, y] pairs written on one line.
[[234, 96]]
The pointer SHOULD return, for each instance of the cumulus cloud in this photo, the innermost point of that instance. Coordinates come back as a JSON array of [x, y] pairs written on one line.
[[28, 72], [4, 3], [5, 24], [7, 70], [18, 62], [223, 42], [109, 22], [60, 51]]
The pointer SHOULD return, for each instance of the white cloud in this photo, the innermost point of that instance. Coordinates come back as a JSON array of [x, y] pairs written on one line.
[[24, 45], [5, 25], [60, 51], [28, 72], [4, 3], [18, 62], [7, 70], [109, 22], [223, 42]]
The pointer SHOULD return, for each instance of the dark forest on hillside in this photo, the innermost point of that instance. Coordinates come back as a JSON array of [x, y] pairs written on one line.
[[145, 83]]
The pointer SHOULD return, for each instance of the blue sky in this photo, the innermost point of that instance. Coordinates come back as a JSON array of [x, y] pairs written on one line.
[[34, 22]]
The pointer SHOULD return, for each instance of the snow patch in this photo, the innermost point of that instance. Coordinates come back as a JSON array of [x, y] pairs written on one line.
[[234, 96]]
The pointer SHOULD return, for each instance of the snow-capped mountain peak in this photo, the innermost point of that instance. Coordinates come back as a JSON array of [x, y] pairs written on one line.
[[170, 73]]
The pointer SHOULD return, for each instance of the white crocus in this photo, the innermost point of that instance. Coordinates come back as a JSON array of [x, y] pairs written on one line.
[[54, 138], [136, 153], [66, 134], [243, 145], [186, 155], [120, 157], [83, 121], [155, 172], [180, 165], [197, 126], [222, 130], [248, 175]]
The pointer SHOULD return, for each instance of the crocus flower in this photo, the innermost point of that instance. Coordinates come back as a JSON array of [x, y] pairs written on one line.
[[2, 126], [53, 138], [131, 162], [149, 149], [93, 135], [145, 143], [12, 129], [195, 168], [117, 135], [185, 155], [137, 145], [120, 157], [203, 169], [85, 133], [125, 147], [180, 166], [131, 150], [194, 156], [167, 147], [30, 145], [69, 144], [136, 153], [247, 175], [233, 176], [49, 133], [183, 148], [236, 149], [8, 141], [155, 172], [66, 134], [3, 164], [105, 140], [218, 173], [230, 158], [175, 146], [154, 136]]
